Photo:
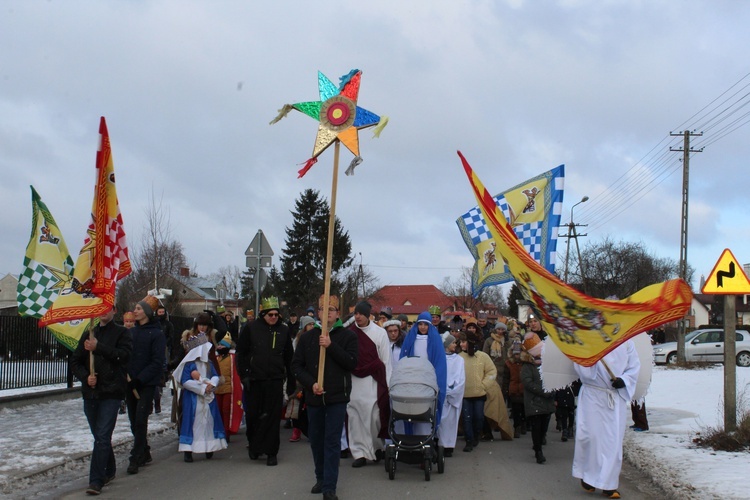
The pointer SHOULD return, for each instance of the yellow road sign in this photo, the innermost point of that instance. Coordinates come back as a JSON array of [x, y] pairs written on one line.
[[727, 277]]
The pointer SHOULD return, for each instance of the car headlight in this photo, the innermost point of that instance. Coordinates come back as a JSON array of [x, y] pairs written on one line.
[[658, 350]]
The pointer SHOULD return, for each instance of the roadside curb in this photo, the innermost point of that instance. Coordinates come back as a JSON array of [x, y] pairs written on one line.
[[76, 462]]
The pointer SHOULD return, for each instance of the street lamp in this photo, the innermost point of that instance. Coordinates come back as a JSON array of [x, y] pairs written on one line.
[[571, 231]]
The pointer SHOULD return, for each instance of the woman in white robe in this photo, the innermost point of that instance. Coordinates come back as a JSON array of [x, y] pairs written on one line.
[[454, 396], [602, 417]]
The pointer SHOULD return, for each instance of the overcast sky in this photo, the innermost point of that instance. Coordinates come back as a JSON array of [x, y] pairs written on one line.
[[188, 89]]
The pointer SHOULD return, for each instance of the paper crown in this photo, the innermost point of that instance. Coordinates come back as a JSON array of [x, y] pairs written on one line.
[[269, 303], [196, 341], [333, 301], [434, 310]]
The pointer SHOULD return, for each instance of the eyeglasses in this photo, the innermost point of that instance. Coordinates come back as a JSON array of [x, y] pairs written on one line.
[[272, 315]]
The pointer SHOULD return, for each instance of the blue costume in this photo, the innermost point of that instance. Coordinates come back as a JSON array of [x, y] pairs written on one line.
[[201, 429]]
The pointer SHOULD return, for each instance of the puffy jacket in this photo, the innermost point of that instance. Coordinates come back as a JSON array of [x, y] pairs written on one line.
[[480, 373], [148, 359], [512, 385], [341, 359], [264, 352], [113, 349], [536, 400]]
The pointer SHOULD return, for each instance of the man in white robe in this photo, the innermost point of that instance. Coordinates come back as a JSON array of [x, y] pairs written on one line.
[[454, 396], [602, 417], [368, 404]]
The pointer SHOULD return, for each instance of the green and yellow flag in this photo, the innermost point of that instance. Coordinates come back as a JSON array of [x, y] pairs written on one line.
[[584, 328], [47, 265]]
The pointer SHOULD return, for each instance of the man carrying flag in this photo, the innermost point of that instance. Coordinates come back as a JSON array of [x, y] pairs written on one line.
[[110, 345]]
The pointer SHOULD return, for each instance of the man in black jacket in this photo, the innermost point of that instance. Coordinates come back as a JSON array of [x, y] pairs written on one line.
[[326, 407], [145, 371], [102, 390], [264, 361]]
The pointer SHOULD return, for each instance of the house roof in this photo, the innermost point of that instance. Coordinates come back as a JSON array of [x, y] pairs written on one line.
[[202, 286], [707, 299], [409, 299]]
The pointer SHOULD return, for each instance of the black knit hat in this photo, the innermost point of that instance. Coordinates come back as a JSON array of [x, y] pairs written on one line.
[[363, 308]]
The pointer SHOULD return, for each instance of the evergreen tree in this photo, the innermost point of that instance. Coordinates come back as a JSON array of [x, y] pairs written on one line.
[[303, 257]]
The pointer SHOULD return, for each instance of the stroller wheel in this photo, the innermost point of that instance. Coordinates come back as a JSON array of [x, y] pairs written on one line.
[[427, 469], [440, 460], [390, 466]]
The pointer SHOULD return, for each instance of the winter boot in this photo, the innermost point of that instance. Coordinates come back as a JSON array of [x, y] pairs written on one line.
[[188, 456], [517, 432], [539, 457], [296, 436]]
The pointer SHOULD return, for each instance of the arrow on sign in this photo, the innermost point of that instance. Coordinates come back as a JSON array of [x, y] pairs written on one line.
[[725, 274]]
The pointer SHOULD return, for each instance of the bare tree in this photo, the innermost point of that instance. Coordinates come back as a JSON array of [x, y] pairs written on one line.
[[459, 290], [156, 260]]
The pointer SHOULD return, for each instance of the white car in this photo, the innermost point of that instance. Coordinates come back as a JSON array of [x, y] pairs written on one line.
[[704, 345]]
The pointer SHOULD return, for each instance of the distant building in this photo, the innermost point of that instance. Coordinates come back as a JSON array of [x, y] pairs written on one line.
[[409, 299], [8, 298]]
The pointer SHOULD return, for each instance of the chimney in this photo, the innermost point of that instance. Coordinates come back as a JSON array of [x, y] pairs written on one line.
[[184, 272]]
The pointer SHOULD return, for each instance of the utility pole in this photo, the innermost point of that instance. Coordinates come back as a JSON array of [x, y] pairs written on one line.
[[684, 225], [572, 233]]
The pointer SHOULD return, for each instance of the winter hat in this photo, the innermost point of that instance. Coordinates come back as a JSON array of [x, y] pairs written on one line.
[[304, 321], [448, 340], [363, 308], [532, 344], [402, 317], [226, 341], [128, 316], [470, 321], [387, 312], [309, 310], [500, 326], [149, 304], [392, 322]]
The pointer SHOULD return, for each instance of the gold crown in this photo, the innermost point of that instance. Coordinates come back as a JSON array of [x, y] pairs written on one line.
[[269, 303]]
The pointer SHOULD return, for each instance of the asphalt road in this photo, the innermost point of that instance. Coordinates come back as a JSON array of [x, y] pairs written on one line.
[[498, 469]]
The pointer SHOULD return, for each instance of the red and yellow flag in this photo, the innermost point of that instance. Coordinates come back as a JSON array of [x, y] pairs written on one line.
[[584, 328], [103, 260]]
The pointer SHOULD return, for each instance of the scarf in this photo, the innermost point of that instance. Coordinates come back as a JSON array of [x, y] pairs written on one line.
[[370, 365], [496, 350]]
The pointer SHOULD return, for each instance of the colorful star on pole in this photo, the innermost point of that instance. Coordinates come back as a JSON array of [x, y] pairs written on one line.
[[338, 115]]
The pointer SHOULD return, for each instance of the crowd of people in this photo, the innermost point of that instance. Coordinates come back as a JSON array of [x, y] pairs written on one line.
[[488, 378]]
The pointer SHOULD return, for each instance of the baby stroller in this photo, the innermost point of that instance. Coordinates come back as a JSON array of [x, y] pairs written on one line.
[[413, 392]]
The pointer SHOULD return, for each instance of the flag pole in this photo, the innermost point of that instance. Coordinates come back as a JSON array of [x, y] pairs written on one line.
[[91, 353], [329, 258]]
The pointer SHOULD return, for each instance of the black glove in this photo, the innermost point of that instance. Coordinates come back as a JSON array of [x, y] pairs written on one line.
[[618, 383], [136, 384]]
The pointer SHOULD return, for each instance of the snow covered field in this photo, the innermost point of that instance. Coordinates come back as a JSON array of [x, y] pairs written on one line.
[[680, 403]]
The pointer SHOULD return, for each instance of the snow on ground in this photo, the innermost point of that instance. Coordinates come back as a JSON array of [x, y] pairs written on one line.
[[39, 436], [680, 403]]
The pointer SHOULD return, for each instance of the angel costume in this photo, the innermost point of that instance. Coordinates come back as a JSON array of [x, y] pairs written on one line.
[[602, 416]]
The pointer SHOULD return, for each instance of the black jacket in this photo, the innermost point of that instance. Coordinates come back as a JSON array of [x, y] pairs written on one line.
[[148, 359], [113, 349], [341, 359], [264, 352]]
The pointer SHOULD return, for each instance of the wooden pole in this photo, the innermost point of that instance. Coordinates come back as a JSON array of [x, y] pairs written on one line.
[[91, 353], [329, 259]]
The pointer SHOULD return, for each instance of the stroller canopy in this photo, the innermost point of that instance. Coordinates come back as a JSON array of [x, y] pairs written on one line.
[[414, 370]]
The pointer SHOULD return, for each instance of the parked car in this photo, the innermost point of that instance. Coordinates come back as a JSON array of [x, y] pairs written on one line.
[[704, 345]]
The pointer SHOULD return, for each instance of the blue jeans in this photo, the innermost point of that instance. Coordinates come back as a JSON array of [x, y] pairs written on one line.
[[324, 430], [472, 412], [102, 417]]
